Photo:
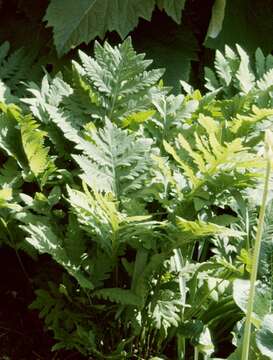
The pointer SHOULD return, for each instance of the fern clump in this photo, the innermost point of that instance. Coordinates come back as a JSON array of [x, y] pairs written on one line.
[[115, 84], [235, 72], [139, 195]]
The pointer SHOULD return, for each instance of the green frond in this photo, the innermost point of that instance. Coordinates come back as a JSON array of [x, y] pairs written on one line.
[[32, 140], [51, 92], [10, 174], [266, 81], [234, 71], [242, 124], [120, 77], [5, 94], [208, 158], [165, 311], [199, 229], [44, 240], [244, 73], [18, 66], [10, 136], [119, 296], [99, 217], [114, 160], [222, 68], [185, 167]]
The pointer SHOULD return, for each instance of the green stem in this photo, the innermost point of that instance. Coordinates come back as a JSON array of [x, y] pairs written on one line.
[[196, 353], [179, 264], [255, 264]]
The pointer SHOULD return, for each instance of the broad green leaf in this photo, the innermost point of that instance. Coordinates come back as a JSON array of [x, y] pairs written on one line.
[[75, 22], [264, 336], [205, 344], [217, 18], [261, 302], [172, 7]]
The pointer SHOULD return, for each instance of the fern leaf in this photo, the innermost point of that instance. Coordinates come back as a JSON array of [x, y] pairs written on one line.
[[244, 73], [51, 92], [19, 66], [243, 123], [117, 73], [44, 240], [119, 296], [212, 83], [120, 161], [165, 311], [198, 229], [4, 50], [10, 137], [188, 171], [234, 72], [98, 216], [209, 160], [32, 140], [222, 68], [266, 82], [260, 62], [10, 174], [5, 94]]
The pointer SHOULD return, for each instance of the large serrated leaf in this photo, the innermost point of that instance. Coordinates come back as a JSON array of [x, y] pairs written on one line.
[[173, 8], [83, 20]]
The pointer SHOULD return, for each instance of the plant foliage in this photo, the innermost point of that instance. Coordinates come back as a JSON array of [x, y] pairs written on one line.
[[142, 198]]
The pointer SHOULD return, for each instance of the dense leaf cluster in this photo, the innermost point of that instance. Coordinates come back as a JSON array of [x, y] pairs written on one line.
[[143, 198]]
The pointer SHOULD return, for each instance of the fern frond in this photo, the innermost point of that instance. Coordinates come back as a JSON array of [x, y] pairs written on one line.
[[99, 216], [10, 137], [244, 73], [113, 160], [243, 124], [32, 140], [51, 92], [165, 311], [120, 77], [266, 81], [5, 94], [119, 296], [197, 229], [234, 71], [17, 67], [10, 174], [209, 157], [45, 241]]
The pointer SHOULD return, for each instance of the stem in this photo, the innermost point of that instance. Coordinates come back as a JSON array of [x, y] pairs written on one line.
[[196, 353], [179, 264], [254, 270]]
